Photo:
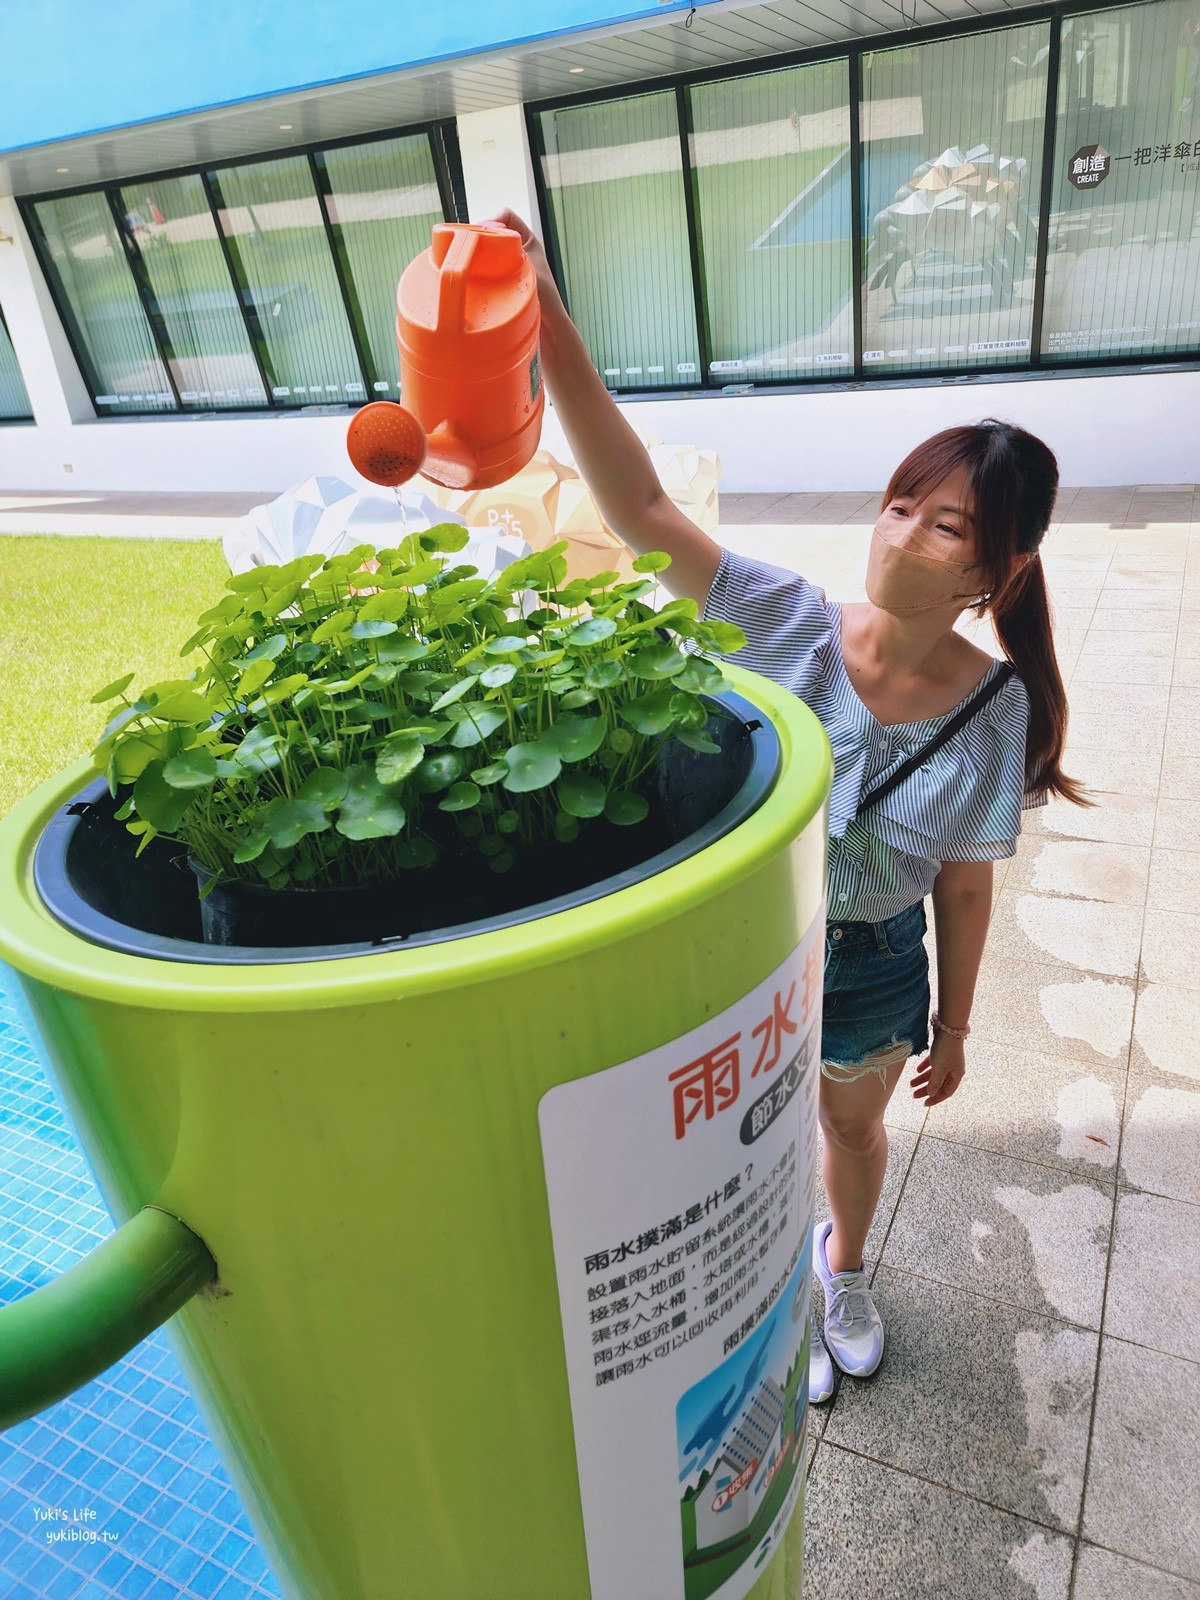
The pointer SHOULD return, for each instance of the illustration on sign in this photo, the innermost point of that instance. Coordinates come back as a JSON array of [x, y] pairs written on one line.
[[681, 1190], [741, 1438]]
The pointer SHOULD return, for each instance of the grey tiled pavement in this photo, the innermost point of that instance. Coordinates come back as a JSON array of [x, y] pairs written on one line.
[[129, 514], [1033, 1432]]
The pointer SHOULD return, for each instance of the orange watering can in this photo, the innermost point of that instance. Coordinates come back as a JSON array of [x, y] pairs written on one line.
[[467, 328]]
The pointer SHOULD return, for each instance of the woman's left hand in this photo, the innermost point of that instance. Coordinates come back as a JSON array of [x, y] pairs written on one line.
[[942, 1070]]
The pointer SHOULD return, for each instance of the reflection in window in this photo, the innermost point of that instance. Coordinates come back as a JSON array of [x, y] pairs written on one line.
[[952, 143], [183, 267], [100, 302], [14, 402], [271, 218], [383, 201], [615, 187], [1123, 265], [772, 161]]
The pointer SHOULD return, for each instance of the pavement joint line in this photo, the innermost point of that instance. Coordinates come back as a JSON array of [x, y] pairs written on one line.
[[1139, 1561], [1031, 1161], [1153, 1349], [1117, 1190], [821, 1413], [1024, 1161], [949, 1488], [991, 1299]]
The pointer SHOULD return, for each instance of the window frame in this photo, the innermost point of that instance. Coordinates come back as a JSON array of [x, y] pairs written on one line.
[[1038, 364], [26, 417], [442, 137]]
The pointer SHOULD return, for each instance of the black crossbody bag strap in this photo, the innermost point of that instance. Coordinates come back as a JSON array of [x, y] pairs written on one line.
[[974, 704]]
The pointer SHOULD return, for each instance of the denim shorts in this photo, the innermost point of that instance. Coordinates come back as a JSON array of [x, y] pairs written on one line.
[[876, 994]]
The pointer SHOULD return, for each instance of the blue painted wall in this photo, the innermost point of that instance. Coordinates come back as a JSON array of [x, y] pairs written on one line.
[[78, 66]]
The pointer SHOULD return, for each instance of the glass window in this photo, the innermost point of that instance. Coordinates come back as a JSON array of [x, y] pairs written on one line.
[[14, 402], [100, 303], [271, 218], [1123, 260], [952, 138], [383, 201], [771, 156], [615, 189], [185, 276]]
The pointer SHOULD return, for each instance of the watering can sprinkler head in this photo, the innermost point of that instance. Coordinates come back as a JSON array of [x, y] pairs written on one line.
[[388, 446], [386, 443]]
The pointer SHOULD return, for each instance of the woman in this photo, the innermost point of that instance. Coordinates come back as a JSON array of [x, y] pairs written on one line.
[[959, 526]]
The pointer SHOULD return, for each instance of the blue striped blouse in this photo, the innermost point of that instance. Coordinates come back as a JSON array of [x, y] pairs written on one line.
[[964, 804]]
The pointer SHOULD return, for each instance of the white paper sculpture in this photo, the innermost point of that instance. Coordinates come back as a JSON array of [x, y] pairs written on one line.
[[960, 227], [327, 516]]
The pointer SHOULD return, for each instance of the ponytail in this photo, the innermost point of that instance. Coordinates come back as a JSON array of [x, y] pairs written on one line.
[[1021, 617]]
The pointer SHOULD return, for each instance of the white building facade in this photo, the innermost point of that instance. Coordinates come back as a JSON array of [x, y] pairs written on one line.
[[805, 239]]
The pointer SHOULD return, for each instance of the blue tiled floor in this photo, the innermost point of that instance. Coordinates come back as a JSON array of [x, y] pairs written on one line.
[[129, 1453]]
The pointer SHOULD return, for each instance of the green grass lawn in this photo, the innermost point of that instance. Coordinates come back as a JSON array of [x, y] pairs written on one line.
[[74, 614]]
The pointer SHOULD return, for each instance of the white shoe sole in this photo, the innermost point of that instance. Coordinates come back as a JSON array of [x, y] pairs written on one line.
[[851, 1372], [823, 1400]]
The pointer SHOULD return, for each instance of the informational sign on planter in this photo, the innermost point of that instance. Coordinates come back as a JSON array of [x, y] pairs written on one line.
[[681, 1189]]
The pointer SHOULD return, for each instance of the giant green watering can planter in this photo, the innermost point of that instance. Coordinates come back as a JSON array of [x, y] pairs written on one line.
[[486, 1253]]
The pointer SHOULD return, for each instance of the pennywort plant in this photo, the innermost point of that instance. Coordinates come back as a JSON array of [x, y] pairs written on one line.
[[362, 716]]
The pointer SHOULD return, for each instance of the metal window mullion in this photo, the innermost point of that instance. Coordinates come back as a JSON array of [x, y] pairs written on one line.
[[537, 151], [435, 138], [683, 116], [345, 278], [145, 292], [1049, 141], [854, 67], [444, 135], [241, 289]]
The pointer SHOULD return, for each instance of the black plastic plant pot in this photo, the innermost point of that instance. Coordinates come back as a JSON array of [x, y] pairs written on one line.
[[89, 876]]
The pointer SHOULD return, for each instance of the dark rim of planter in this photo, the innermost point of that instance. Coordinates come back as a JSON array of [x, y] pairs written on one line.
[[57, 889]]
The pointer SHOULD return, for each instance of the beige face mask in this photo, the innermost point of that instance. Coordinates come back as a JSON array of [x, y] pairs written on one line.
[[912, 577]]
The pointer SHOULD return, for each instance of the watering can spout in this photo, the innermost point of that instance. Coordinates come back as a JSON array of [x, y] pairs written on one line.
[[66, 1333], [450, 459]]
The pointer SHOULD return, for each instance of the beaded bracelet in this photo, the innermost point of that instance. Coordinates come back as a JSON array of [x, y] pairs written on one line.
[[955, 1033]]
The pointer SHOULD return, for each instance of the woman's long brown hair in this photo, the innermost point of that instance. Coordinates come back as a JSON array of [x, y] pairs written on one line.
[[1013, 481]]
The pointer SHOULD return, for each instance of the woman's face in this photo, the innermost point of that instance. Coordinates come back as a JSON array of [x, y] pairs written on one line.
[[943, 515], [923, 553]]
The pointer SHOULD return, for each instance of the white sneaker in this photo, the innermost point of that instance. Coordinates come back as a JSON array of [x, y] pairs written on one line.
[[853, 1327], [822, 1380]]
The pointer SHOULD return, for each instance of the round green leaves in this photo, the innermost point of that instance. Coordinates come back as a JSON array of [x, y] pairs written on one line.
[[531, 766], [384, 711]]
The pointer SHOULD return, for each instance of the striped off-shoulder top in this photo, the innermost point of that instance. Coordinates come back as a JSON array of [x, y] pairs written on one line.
[[964, 804]]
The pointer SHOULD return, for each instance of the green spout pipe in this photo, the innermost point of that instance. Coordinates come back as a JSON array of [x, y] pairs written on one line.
[[61, 1336]]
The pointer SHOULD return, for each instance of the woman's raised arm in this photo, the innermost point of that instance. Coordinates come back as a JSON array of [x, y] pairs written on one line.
[[610, 456]]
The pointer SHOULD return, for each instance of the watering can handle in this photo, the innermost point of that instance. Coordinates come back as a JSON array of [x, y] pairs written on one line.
[[452, 280], [63, 1335]]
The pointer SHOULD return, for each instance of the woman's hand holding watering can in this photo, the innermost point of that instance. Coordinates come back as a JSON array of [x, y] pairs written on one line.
[[548, 296], [610, 456]]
